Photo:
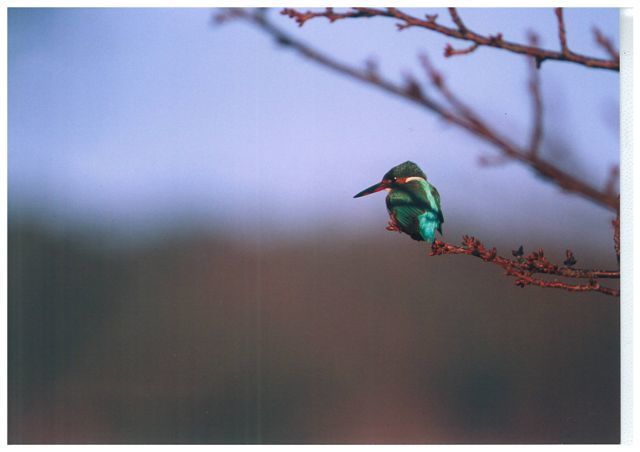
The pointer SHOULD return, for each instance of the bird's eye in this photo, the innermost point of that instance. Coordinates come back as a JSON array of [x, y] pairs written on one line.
[[395, 179]]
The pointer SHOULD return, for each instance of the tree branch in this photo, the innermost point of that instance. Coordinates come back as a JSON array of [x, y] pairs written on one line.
[[462, 32], [523, 268]]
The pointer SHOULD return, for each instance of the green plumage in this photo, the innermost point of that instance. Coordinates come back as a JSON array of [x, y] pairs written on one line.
[[415, 206]]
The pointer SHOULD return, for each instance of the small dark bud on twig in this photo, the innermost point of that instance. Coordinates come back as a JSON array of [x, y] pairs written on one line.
[[496, 39], [570, 260], [431, 18], [412, 88]]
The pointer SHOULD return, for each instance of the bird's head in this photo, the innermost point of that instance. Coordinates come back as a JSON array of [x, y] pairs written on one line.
[[395, 178]]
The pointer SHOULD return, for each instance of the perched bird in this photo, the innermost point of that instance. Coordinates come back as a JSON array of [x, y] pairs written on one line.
[[412, 202]]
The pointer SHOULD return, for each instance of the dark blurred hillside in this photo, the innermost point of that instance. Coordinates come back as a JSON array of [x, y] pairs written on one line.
[[325, 340]]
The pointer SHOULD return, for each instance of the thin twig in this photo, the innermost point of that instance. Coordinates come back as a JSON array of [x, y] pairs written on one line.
[[453, 12], [562, 32], [612, 181], [328, 13], [449, 51], [606, 44]]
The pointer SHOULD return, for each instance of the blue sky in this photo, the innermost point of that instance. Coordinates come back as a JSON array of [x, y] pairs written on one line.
[[138, 119]]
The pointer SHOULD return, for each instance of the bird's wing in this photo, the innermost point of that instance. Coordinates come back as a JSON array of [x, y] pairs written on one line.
[[428, 198], [436, 196], [406, 215], [418, 222]]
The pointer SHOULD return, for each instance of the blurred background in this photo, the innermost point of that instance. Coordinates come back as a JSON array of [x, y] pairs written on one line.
[[187, 264]]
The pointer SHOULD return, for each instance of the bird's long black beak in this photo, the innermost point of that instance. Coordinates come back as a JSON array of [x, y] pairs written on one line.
[[374, 188]]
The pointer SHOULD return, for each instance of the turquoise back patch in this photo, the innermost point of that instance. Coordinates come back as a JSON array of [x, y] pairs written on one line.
[[428, 223]]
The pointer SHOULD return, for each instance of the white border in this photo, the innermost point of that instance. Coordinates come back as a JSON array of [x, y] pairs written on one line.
[[626, 232], [628, 185]]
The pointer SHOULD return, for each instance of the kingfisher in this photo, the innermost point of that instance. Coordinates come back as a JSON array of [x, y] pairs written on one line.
[[412, 202]]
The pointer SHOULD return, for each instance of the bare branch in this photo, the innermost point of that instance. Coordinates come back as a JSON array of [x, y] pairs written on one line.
[[464, 33], [328, 13], [524, 268], [606, 44]]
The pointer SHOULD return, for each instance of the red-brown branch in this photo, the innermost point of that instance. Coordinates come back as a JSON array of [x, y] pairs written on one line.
[[524, 268], [562, 33], [612, 181], [453, 12], [328, 13], [449, 51], [606, 44], [462, 32]]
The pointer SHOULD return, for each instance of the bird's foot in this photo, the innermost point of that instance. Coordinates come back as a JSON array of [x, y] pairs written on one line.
[[393, 226]]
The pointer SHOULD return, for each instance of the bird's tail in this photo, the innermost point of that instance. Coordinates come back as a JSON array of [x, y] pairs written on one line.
[[428, 224]]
